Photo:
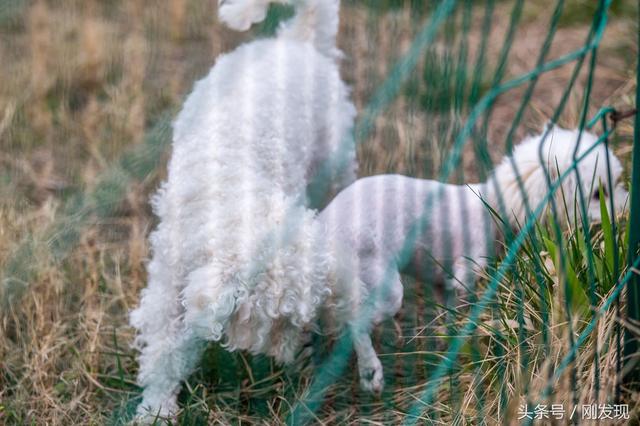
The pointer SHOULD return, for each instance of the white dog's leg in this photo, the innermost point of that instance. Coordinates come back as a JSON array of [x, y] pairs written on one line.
[[164, 364], [458, 287], [369, 366], [464, 276], [168, 349], [384, 298]]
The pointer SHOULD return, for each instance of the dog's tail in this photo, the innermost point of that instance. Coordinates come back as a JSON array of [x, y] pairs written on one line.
[[315, 21]]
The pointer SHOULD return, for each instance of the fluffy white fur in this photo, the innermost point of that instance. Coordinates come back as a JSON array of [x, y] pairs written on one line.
[[444, 233], [237, 256]]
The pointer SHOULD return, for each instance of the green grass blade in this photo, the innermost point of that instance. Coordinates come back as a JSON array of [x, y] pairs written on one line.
[[607, 231]]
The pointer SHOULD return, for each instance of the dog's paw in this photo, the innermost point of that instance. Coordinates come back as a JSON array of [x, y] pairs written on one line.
[[371, 377], [165, 413], [148, 418]]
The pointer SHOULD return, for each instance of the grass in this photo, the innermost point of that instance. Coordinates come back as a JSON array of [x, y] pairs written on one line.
[[88, 91]]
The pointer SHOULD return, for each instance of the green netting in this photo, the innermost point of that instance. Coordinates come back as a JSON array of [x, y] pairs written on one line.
[[475, 127], [457, 92]]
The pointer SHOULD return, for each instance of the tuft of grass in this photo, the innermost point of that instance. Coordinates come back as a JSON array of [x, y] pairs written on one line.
[[522, 339]]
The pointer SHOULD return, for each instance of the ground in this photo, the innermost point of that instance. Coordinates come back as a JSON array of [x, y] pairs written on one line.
[[88, 90]]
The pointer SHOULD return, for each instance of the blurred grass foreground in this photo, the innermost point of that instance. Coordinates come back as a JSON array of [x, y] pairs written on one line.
[[88, 89]]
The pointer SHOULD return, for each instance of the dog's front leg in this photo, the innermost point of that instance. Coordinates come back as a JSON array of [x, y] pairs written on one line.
[[464, 276], [458, 287]]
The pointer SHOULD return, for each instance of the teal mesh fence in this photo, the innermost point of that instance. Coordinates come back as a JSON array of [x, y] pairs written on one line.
[[551, 325]]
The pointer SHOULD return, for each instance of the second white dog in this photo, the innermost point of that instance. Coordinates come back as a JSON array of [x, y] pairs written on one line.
[[445, 233]]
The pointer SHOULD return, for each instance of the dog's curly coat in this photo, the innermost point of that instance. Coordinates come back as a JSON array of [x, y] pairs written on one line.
[[237, 256]]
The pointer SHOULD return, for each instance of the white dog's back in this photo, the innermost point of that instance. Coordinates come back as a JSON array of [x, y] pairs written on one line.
[[276, 107], [421, 225]]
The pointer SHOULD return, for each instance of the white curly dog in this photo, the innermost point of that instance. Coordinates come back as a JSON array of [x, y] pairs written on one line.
[[445, 233], [238, 257]]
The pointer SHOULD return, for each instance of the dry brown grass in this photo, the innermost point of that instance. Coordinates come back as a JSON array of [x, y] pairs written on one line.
[[82, 83]]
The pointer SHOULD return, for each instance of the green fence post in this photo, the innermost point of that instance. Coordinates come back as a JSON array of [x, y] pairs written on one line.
[[633, 290]]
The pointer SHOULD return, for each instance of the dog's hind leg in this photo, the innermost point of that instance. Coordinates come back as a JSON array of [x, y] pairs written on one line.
[[164, 364], [369, 366], [382, 298], [168, 349]]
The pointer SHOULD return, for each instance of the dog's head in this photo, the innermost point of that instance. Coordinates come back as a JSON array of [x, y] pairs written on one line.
[[540, 162], [600, 174]]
